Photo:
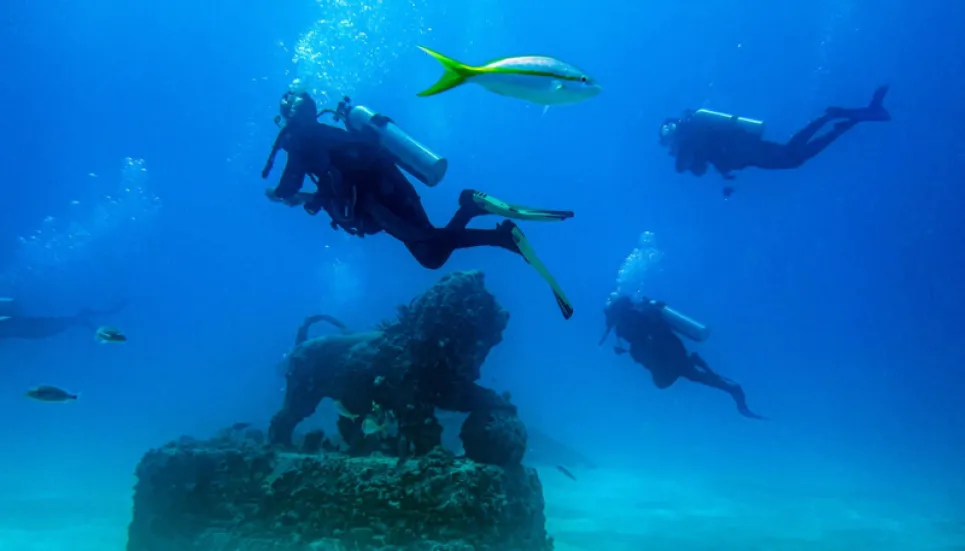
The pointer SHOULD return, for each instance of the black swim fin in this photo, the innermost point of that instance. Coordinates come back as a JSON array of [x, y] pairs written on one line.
[[482, 203], [527, 252], [874, 112]]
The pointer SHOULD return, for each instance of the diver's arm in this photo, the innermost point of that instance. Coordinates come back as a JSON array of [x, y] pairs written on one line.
[[292, 179], [605, 335]]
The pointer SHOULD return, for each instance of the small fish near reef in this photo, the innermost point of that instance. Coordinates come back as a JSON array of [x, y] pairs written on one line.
[[537, 79], [109, 334], [47, 393]]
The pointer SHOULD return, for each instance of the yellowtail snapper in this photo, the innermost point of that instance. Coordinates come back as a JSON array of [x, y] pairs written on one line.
[[537, 79]]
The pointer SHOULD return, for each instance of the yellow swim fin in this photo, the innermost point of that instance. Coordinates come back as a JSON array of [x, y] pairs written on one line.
[[529, 254], [455, 74], [493, 205]]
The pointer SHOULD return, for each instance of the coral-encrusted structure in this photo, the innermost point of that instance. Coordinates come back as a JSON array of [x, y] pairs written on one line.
[[228, 495], [395, 490], [428, 358]]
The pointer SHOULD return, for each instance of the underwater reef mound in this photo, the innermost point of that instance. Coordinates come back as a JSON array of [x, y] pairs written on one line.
[[238, 495], [394, 487], [429, 357]]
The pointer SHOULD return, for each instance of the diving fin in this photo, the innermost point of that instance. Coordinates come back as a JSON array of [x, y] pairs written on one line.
[[874, 112], [526, 250], [494, 206]]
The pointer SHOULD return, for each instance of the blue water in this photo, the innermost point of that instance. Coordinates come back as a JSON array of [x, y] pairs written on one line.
[[133, 138]]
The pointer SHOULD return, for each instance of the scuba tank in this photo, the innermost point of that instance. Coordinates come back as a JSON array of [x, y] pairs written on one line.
[[715, 118], [409, 154], [685, 325]]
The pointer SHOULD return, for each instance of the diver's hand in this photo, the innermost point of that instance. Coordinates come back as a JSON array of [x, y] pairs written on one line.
[[292, 201], [270, 194]]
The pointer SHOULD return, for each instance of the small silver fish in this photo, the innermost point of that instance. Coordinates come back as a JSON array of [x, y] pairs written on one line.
[[47, 393], [344, 412]]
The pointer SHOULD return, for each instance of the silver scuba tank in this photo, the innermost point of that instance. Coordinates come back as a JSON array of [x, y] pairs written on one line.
[[685, 325], [750, 126], [410, 155]]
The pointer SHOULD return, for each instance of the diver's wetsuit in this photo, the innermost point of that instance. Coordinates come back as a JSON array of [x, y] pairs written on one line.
[[364, 192], [30, 327], [655, 346], [697, 143]]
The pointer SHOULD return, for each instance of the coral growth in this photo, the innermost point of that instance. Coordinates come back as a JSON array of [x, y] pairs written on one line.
[[235, 495], [237, 492]]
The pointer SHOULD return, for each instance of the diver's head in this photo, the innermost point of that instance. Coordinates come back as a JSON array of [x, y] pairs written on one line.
[[668, 130], [297, 108]]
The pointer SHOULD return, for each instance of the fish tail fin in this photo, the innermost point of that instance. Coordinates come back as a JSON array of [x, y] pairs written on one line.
[[455, 74]]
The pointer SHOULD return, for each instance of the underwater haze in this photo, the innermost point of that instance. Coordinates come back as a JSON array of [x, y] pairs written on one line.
[[133, 142]]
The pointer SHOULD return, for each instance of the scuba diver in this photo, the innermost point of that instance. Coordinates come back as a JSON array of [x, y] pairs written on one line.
[[650, 329], [728, 143], [13, 325], [360, 186]]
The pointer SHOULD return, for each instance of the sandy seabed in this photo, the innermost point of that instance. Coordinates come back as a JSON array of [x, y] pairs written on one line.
[[604, 510]]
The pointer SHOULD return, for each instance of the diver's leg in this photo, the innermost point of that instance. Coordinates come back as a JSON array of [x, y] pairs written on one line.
[[700, 372], [801, 147], [663, 378], [805, 134], [813, 147], [435, 250]]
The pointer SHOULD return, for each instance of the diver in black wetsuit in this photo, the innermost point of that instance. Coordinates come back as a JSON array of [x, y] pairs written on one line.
[[16, 326], [655, 346], [364, 193], [727, 143]]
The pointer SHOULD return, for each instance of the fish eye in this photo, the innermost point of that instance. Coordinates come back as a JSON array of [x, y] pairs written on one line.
[[583, 79]]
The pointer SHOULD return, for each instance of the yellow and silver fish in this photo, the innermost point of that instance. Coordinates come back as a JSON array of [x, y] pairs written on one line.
[[372, 426], [537, 79]]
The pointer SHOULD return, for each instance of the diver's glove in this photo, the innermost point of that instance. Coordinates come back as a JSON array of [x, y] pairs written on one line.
[[293, 201]]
